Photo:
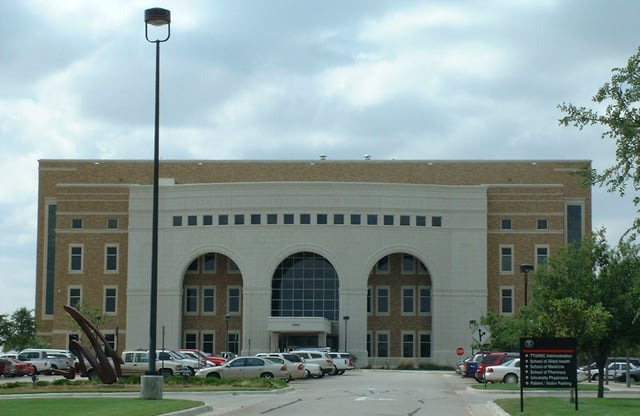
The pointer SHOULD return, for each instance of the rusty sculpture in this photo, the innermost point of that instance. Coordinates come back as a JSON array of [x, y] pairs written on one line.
[[103, 362]]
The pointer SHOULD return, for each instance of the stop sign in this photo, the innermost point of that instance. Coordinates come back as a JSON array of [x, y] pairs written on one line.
[[459, 350]]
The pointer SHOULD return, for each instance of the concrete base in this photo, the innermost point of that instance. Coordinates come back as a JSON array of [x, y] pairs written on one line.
[[151, 387]]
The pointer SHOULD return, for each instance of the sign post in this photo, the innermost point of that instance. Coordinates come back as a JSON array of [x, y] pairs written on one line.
[[548, 363]]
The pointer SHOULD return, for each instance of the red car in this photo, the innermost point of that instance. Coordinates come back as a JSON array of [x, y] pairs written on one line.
[[212, 358], [11, 367], [492, 359]]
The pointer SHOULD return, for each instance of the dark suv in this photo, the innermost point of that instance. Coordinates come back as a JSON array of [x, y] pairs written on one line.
[[491, 359]]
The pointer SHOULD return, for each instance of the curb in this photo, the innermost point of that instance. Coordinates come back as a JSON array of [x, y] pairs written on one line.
[[194, 411]]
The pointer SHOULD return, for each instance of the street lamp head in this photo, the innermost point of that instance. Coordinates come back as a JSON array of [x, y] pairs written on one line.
[[227, 317], [157, 17], [526, 268], [346, 317]]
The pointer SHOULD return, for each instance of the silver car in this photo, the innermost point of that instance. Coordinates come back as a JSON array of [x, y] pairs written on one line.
[[247, 367]]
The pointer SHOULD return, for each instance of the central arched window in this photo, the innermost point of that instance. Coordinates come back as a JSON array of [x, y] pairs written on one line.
[[305, 284]]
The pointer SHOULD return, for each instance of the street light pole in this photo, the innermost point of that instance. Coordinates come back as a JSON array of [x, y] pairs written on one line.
[[346, 320], [526, 268], [155, 17]]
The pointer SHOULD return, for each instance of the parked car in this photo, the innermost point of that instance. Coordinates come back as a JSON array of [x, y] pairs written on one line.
[[228, 355], [46, 359], [295, 370], [246, 367], [190, 364], [214, 359], [508, 372], [492, 359], [342, 361], [317, 357], [471, 365], [634, 375], [613, 371], [137, 362], [12, 367]]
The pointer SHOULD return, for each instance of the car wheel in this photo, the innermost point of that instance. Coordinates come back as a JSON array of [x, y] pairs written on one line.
[[213, 375], [307, 374], [165, 372], [341, 372], [91, 374], [266, 375], [334, 371], [511, 378], [595, 377]]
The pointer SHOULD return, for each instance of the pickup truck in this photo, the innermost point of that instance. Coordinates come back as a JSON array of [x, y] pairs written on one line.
[[342, 361], [44, 361]]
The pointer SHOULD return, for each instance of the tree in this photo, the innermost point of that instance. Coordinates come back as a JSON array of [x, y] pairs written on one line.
[[586, 291], [19, 330], [620, 99]]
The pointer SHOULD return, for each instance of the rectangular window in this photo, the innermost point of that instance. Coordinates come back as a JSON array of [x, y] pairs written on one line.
[[506, 300], [233, 299], [191, 340], [75, 258], [305, 219], [505, 224], [191, 300], [408, 264], [542, 224], [208, 342], [255, 219], [338, 219], [238, 219], [574, 223], [369, 300], [506, 259], [369, 338], [382, 344], [76, 223], [421, 221], [372, 219], [425, 344], [209, 263], [207, 220], [223, 219], [355, 219], [382, 300], [272, 219], [405, 220], [111, 258], [233, 342], [407, 344], [112, 223], [408, 300], [192, 220], [436, 221], [177, 221], [110, 300], [208, 300], [110, 337], [388, 220], [542, 254], [382, 267], [288, 219], [321, 219], [75, 296], [424, 293]]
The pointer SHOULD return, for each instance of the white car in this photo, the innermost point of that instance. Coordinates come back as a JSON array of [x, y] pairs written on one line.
[[247, 367], [508, 372]]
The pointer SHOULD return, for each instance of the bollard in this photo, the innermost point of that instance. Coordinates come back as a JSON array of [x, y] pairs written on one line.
[[34, 378]]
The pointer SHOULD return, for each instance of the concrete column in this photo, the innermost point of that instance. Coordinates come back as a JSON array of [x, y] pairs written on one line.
[[151, 387]]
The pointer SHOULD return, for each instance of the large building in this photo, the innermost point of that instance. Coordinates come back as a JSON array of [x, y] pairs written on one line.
[[390, 260]]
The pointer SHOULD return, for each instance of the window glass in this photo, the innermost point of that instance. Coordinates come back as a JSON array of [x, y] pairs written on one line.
[[421, 221], [505, 224], [436, 221], [408, 264], [207, 220], [425, 300], [288, 218], [208, 300], [574, 223], [542, 224], [408, 300], [238, 219], [75, 296], [382, 300], [388, 220], [191, 300], [506, 259], [405, 220], [355, 219], [75, 261], [233, 300], [192, 220], [177, 221], [272, 219], [321, 219], [112, 223], [110, 299], [425, 345], [542, 255], [111, 261], [383, 265], [305, 219], [372, 219], [506, 300], [255, 219], [208, 342], [382, 344], [338, 219], [223, 219], [209, 263], [191, 340], [407, 345], [76, 223]]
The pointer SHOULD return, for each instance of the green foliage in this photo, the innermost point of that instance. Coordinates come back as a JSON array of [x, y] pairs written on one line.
[[505, 331], [19, 331], [620, 101]]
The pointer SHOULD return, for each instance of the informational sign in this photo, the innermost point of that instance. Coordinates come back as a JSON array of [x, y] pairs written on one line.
[[548, 363], [481, 334]]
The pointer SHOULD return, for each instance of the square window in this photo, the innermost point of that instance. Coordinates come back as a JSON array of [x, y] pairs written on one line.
[[112, 223], [76, 223], [305, 218], [223, 219], [505, 224], [272, 219], [255, 219], [355, 219], [421, 221], [238, 219], [192, 220], [388, 220], [338, 219], [405, 220], [177, 221], [207, 220], [321, 219], [436, 221], [372, 219], [543, 224], [288, 218]]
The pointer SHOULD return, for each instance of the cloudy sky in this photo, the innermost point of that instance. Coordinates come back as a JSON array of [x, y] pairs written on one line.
[[294, 79]]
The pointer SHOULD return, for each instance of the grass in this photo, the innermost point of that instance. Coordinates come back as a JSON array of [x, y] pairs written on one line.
[[516, 387], [558, 406], [78, 406]]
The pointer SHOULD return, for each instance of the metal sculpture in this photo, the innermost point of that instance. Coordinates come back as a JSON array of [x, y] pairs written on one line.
[[103, 362]]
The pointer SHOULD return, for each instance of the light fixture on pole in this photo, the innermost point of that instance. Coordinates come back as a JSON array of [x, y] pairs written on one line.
[[346, 320], [155, 17], [227, 318], [526, 268]]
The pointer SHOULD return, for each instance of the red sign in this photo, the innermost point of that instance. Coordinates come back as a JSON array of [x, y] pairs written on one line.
[[459, 350]]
